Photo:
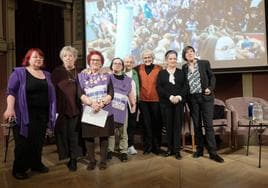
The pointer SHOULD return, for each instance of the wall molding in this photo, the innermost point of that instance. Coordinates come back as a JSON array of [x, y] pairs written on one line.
[[61, 3], [247, 84], [3, 46]]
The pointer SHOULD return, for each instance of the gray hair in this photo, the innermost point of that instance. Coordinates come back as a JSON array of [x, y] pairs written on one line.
[[71, 49], [147, 51], [130, 57]]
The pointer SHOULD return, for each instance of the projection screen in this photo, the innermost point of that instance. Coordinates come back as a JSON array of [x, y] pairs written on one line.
[[230, 34]]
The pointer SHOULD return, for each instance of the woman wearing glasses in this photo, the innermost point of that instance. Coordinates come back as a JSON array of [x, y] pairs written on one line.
[[96, 92]]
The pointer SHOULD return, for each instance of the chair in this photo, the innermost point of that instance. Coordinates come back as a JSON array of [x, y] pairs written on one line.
[[239, 115], [222, 124], [187, 128]]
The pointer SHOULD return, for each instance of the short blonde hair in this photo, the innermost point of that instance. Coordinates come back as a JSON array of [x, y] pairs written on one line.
[[71, 49]]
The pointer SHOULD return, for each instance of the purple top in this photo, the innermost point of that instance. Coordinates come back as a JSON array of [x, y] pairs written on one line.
[[17, 88], [120, 100], [95, 86]]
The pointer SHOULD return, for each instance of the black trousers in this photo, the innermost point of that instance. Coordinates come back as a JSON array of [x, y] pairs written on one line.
[[28, 151], [202, 114], [67, 137], [174, 121], [152, 124], [132, 124]]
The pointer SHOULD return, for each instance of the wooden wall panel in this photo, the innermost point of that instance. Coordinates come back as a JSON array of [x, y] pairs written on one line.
[[228, 86], [3, 83], [260, 82]]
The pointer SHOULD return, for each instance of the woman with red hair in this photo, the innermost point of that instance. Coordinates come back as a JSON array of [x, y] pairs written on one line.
[[31, 102], [96, 92]]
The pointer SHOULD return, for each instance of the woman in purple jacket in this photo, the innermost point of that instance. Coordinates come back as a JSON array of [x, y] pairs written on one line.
[[31, 101]]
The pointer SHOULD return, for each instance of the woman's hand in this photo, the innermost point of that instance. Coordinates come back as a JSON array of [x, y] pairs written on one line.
[[175, 99], [8, 115], [96, 106], [133, 108], [207, 91], [10, 110], [105, 100]]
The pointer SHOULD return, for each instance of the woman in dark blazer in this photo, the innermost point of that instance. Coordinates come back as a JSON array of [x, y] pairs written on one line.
[[200, 86], [171, 91]]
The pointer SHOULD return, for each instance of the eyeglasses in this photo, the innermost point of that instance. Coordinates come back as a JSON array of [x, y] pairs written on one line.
[[129, 62], [96, 60], [117, 63], [147, 57], [36, 57]]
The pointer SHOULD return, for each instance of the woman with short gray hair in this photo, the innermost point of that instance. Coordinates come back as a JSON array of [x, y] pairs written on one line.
[[67, 126]]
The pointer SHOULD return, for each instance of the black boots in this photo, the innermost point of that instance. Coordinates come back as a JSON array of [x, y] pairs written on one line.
[[216, 158], [40, 169], [20, 175], [72, 165]]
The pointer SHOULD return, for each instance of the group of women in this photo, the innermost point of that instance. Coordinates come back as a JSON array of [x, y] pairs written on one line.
[[39, 101]]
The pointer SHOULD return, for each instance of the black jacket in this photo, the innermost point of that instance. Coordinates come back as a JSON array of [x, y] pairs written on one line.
[[165, 88]]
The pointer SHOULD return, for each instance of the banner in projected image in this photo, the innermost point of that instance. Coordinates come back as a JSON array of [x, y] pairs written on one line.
[[230, 34]]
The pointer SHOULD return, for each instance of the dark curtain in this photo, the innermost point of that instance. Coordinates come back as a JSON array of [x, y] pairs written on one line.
[[42, 26]]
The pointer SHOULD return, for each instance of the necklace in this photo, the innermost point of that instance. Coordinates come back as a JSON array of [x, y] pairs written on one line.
[[72, 74]]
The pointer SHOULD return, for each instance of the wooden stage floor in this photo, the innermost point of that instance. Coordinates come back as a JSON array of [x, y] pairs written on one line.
[[238, 171]]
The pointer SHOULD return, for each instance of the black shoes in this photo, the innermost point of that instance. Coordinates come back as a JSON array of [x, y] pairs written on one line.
[[103, 165], [91, 165], [109, 155], [23, 175], [155, 150], [123, 157], [178, 156], [72, 165], [20, 175], [158, 151], [216, 158], [197, 154], [41, 169], [168, 153], [147, 150]]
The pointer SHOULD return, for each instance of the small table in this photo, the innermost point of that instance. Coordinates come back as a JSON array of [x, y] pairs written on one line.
[[260, 128]]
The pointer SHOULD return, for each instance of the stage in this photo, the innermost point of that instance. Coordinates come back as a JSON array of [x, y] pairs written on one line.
[[140, 171]]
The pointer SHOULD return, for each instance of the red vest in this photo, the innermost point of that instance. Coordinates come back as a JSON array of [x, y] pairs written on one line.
[[148, 91]]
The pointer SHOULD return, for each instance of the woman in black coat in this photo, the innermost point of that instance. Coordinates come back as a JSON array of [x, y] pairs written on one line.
[[171, 90]]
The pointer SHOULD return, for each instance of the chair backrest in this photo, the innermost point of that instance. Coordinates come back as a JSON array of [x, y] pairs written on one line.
[[218, 102], [240, 104]]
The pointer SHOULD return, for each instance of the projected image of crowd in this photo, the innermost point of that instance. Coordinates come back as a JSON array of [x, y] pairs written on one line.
[[219, 31]]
